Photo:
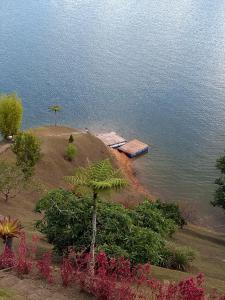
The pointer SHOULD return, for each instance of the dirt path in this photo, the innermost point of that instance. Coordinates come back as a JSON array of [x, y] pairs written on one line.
[[4, 147]]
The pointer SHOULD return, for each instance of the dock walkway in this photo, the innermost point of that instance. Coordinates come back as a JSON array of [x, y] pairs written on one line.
[[131, 149]]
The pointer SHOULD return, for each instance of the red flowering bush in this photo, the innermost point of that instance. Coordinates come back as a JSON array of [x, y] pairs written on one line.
[[7, 258], [45, 267], [117, 279], [23, 263], [114, 279]]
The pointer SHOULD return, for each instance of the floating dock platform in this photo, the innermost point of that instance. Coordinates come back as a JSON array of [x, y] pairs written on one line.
[[112, 139], [134, 148]]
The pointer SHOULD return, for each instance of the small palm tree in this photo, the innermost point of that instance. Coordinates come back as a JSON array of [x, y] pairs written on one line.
[[55, 109], [9, 229], [96, 177]]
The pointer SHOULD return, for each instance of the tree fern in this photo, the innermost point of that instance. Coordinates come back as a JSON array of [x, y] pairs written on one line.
[[96, 177]]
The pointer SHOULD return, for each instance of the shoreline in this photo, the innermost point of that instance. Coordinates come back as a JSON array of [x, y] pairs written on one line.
[[125, 164]]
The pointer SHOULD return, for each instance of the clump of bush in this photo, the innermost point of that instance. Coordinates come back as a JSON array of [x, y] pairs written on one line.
[[11, 113], [71, 139], [171, 211], [148, 215], [114, 278], [70, 152], [178, 258], [27, 149], [138, 234]]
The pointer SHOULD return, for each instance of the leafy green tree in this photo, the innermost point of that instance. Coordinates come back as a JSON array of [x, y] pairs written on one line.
[[70, 152], [11, 113], [28, 151], [12, 180], [55, 109], [148, 215], [66, 221], [96, 177], [219, 198]]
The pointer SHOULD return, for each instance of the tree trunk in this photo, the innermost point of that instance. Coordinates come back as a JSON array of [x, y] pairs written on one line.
[[6, 197], [8, 242], [94, 231], [55, 118]]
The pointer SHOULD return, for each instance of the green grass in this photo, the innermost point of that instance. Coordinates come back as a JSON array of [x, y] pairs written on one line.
[[5, 294], [210, 248]]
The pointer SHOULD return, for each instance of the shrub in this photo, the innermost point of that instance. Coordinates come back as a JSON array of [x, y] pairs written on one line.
[[71, 139], [113, 278], [148, 215], [7, 258], [178, 258], [70, 152], [171, 211], [45, 267], [11, 112], [12, 180], [28, 152], [67, 222], [24, 264]]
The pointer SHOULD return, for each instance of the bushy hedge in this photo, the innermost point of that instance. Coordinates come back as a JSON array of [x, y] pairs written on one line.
[[70, 152], [138, 234]]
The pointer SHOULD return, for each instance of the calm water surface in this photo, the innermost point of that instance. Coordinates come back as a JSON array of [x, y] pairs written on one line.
[[149, 69]]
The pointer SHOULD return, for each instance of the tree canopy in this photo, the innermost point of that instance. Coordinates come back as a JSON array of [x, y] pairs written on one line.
[[55, 109], [138, 233], [28, 151], [11, 113], [12, 180], [219, 197]]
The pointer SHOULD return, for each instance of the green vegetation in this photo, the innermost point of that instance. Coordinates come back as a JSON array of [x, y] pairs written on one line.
[[171, 211], [55, 109], [137, 234], [28, 152], [11, 112], [70, 152], [95, 178], [9, 229], [178, 258], [54, 141], [71, 139], [219, 199], [4, 294], [150, 215], [12, 180]]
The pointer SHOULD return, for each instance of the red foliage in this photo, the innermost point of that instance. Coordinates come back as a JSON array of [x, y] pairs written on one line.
[[114, 279], [45, 267], [67, 271], [7, 258], [23, 263]]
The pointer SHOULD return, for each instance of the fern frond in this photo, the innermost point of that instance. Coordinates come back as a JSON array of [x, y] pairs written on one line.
[[98, 176]]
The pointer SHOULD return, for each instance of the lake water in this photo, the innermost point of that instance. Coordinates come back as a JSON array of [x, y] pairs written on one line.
[[149, 69]]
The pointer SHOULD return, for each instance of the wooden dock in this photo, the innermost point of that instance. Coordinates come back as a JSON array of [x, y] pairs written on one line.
[[112, 139], [134, 148], [131, 149]]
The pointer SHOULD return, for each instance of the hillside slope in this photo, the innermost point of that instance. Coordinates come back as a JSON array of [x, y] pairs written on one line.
[[53, 167]]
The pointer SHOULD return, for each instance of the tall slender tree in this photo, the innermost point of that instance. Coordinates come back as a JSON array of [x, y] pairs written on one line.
[[11, 113], [96, 177], [55, 109]]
